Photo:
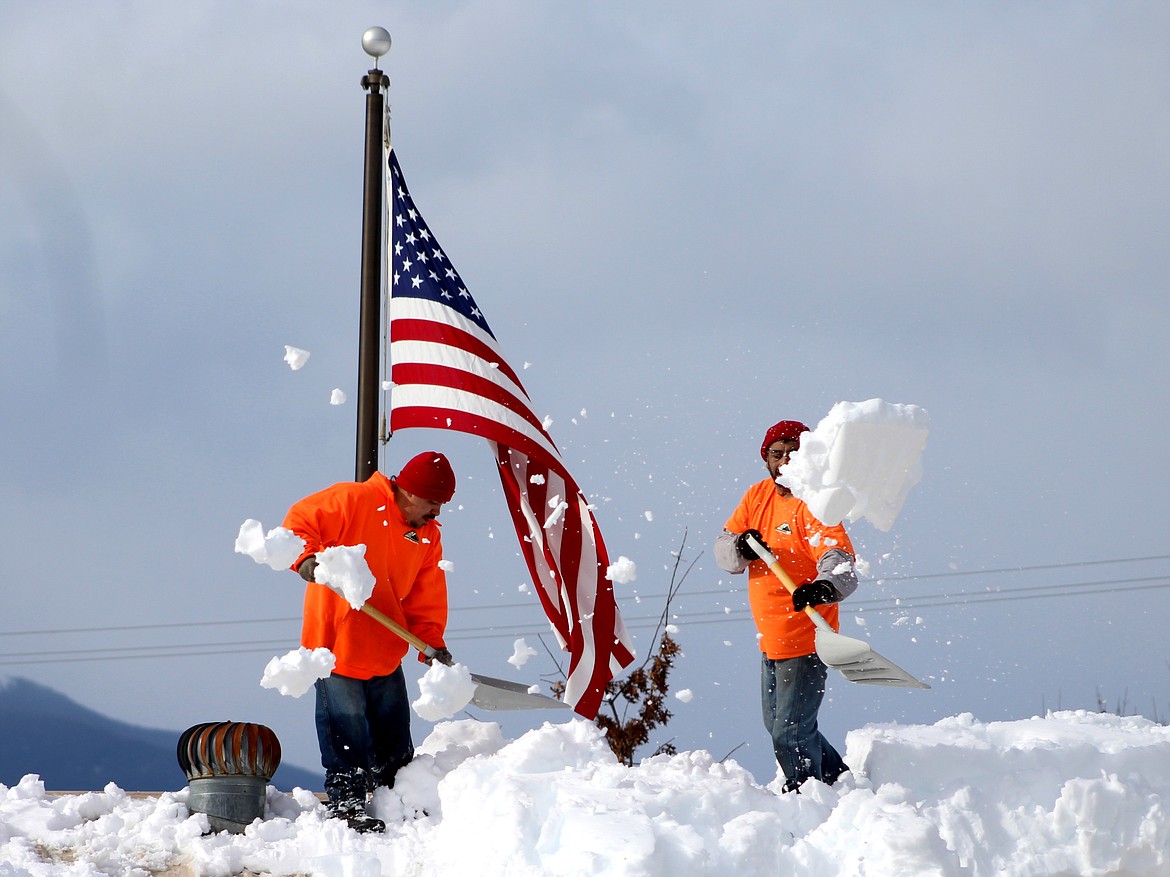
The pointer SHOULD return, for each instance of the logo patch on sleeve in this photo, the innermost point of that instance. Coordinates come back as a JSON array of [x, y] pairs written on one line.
[[411, 536], [784, 528]]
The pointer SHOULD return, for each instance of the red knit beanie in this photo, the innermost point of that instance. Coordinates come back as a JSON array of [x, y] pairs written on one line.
[[784, 431], [428, 475]]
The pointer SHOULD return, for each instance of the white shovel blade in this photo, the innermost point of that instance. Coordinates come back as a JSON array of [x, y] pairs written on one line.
[[500, 694], [857, 662]]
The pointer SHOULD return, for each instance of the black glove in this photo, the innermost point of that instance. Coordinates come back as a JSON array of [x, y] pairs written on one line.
[[745, 550], [813, 594], [442, 656], [308, 567]]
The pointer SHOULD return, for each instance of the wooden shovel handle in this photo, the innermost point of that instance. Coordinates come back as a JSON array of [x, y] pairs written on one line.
[[392, 625], [386, 621], [773, 564]]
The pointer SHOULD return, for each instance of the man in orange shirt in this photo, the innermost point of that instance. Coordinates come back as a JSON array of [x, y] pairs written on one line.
[[819, 559], [362, 712]]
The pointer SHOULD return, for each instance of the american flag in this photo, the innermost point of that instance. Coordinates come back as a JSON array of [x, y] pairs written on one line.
[[447, 373]]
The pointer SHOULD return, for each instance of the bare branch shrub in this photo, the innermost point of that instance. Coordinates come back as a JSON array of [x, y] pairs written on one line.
[[643, 690]]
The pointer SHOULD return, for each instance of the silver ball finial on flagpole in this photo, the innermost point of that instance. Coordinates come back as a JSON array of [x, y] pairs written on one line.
[[376, 42]]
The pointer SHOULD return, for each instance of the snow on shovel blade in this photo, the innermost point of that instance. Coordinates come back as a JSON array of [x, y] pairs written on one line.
[[500, 694]]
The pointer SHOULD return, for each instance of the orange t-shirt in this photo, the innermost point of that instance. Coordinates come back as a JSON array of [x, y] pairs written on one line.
[[409, 587], [798, 540]]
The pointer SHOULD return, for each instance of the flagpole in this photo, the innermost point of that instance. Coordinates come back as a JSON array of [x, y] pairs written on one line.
[[376, 43]]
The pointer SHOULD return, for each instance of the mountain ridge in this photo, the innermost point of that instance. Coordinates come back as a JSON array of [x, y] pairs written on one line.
[[71, 747]]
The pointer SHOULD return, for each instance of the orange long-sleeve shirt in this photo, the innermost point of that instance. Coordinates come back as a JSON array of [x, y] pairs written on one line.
[[798, 540], [409, 587]]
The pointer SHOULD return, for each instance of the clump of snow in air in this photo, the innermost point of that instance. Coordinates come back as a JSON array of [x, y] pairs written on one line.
[[294, 673], [859, 462], [344, 569], [295, 357], [278, 548], [337, 397], [559, 507], [447, 566], [622, 571], [1069, 793], [685, 696], [443, 691], [521, 652]]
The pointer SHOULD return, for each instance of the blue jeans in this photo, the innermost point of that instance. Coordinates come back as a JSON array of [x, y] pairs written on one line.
[[791, 693], [363, 729]]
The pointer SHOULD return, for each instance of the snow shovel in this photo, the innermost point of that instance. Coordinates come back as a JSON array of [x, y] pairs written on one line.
[[856, 661], [490, 693]]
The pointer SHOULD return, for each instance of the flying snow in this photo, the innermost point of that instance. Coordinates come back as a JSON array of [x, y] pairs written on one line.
[[443, 691], [294, 673], [521, 652], [344, 569], [622, 571], [295, 357], [859, 462], [278, 549]]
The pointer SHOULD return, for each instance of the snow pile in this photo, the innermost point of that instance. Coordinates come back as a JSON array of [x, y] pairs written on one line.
[[1071, 793], [859, 462]]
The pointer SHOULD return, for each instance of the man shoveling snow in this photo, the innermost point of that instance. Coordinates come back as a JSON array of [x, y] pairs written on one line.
[[860, 462], [363, 711]]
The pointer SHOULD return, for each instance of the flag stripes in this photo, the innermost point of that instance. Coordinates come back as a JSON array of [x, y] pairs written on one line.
[[447, 373]]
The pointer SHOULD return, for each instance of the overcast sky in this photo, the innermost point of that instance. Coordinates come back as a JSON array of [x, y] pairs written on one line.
[[691, 223]]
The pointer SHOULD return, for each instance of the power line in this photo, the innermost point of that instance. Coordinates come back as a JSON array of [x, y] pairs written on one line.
[[485, 632], [162, 626], [729, 592]]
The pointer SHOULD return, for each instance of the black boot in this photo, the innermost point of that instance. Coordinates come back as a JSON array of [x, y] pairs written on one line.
[[354, 813]]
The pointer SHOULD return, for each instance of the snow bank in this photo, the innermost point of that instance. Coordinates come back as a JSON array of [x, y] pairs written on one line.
[[1070, 793]]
